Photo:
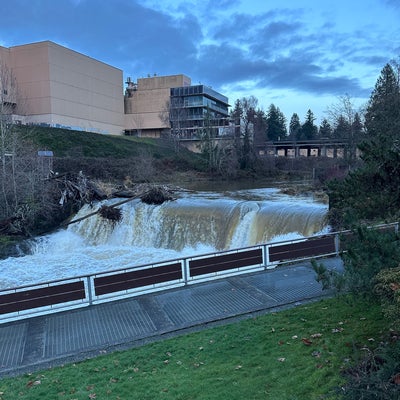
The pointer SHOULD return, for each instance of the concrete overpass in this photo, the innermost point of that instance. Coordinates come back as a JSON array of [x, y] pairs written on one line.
[[331, 148]]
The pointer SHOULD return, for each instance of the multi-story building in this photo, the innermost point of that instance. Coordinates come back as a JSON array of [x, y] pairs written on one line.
[[195, 108], [170, 104], [147, 104], [60, 87], [48, 84]]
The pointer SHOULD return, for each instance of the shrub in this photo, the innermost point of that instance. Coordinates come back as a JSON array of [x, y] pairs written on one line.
[[375, 376], [368, 252], [387, 287]]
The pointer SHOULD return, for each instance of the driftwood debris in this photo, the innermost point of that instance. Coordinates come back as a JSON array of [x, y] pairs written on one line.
[[111, 213], [77, 188], [156, 195], [149, 194]]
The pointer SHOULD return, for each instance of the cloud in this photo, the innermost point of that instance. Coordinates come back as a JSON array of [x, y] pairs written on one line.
[[278, 54], [114, 31], [221, 43], [392, 3]]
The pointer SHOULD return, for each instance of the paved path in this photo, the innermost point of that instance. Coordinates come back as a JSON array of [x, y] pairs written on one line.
[[54, 339]]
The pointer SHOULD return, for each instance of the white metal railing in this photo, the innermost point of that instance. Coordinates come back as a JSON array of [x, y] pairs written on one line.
[[81, 291]]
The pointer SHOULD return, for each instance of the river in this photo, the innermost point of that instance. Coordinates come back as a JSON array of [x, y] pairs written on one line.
[[197, 222]]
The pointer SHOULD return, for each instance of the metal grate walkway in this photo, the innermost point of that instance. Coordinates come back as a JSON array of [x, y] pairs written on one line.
[[74, 335]]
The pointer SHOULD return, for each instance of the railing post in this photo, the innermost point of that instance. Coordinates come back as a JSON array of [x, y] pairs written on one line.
[[266, 256], [337, 244], [89, 289], [185, 271]]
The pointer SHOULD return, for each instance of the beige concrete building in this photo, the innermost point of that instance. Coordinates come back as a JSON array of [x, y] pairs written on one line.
[[48, 84], [60, 87], [147, 104], [160, 105]]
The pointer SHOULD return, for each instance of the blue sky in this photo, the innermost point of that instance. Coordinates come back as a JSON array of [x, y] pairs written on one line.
[[297, 54]]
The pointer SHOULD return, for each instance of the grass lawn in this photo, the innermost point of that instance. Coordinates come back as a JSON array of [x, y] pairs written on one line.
[[293, 354], [70, 143]]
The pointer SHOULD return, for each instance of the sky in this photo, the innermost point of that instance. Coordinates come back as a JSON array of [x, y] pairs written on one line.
[[295, 54]]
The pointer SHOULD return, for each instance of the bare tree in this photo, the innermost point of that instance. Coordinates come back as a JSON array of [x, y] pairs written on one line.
[[208, 146], [138, 123], [164, 114], [173, 115], [244, 117], [8, 101], [346, 120], [24, 192], [227, 161], [143, 168]]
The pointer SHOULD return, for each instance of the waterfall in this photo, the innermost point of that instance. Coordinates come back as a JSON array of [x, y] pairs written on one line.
[[193, 224], [220, 224]]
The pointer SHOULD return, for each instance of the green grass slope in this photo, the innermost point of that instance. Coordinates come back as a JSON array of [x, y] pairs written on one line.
[[70, 143], [297, 354]]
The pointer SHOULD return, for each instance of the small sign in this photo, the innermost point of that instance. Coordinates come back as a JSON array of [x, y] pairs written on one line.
[[45, 153]]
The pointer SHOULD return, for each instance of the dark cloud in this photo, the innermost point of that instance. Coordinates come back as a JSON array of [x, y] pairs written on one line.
[[302, 78], [237, 27], [279, 49], [392, 3], [244, 27], [118, 32], [296, 72], [279, 54]]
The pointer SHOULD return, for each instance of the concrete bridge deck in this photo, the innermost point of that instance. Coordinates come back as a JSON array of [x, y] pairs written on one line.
[[70, 336]]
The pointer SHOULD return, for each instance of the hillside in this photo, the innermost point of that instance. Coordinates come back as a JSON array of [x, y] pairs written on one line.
[[114, 157]]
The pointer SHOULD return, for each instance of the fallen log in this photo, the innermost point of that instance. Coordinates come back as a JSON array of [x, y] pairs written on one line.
[[154, 195], [124, 193], [98, 210]]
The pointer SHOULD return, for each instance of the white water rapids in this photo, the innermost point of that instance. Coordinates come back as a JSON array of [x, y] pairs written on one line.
[[195, 223]]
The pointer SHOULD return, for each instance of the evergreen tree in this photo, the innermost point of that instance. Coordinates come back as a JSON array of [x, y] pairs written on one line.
[[342, 128], [357, 135], [357, 126], [368, 195], [276, 129], [295, 127], [372, 192], [383, 110], [308, 129], [260, 127], [325, 129], [282, 122]]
